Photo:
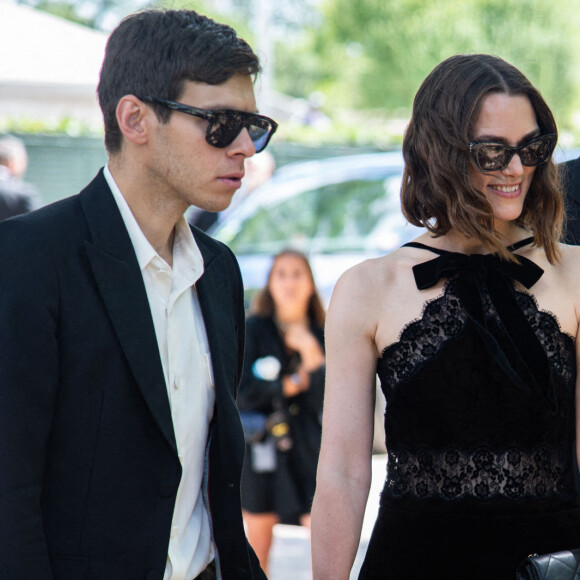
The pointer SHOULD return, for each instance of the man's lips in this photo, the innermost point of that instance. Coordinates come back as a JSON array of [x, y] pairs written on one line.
[[234, 179]]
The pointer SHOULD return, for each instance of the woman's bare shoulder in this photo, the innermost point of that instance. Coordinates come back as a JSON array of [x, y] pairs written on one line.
[[379, 296], [558, 290], [569, 255], [384, 273], [567, 269]]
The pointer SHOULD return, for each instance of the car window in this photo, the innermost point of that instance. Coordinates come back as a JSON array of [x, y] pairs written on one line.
[[335, 217]]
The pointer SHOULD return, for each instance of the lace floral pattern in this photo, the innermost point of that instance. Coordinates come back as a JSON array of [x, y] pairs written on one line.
[[421, 340], [558, 345], [454, 472], [444, 319], [482, 473]]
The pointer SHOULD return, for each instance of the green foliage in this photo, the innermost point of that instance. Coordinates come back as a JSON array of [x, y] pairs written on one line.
[[64, 126], [237, 18], [65, 10], [360, 130], [372, 54], [368, 57]]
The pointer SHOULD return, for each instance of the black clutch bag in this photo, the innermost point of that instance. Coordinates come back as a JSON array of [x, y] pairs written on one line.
[[556, 566]]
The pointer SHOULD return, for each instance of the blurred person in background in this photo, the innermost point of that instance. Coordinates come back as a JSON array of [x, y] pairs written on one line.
[[283, 382], [474, 332], [570, 171], [16, 196]]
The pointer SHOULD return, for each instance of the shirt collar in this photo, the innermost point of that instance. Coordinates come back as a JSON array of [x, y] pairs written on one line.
[[187, 258]]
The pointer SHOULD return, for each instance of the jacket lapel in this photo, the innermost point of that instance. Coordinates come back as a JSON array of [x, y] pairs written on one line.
[[116, 270], [217, 308]]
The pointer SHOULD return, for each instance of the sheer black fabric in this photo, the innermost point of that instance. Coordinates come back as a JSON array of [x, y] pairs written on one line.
[[479, 435]]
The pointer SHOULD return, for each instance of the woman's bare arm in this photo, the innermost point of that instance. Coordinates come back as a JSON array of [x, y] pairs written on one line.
[[344, 468]]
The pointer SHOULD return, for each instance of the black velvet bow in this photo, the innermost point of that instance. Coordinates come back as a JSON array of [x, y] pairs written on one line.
[[448, 264], [521, 356]]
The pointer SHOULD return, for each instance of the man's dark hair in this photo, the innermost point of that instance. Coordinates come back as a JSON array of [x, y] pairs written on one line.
[[438, 190], [154, 52]]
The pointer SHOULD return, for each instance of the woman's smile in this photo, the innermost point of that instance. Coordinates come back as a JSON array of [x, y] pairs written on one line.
[[507, 191]]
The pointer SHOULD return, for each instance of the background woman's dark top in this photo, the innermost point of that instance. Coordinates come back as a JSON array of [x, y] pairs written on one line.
[[286, 488]]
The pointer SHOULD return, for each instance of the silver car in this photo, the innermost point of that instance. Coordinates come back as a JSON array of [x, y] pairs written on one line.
[[339, 211]]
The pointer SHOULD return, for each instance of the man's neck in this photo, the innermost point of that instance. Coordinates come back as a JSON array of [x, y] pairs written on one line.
[[156, 218]]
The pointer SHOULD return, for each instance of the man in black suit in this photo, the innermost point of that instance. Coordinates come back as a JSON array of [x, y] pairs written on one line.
[[16, 196], [571, 180], [122, 329]]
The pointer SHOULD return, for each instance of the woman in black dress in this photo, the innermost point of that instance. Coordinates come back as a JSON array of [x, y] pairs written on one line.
[[283, 379], [473, 332]]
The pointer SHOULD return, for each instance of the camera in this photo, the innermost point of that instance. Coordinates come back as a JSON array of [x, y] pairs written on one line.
[[278, 426]]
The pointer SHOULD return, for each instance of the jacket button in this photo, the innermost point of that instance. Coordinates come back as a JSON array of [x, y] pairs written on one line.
[[166, 490], [154, 575]]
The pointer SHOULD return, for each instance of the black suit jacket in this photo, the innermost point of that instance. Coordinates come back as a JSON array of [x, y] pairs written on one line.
[[570, 172], [88, 463]]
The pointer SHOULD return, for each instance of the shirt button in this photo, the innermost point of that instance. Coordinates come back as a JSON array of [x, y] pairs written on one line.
[[176, 383], [174, 531]]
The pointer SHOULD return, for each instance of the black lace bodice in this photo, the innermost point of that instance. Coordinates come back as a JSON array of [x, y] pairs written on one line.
[[467, 417]]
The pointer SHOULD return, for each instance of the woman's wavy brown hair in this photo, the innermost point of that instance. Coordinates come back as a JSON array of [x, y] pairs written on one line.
[[438, 192], [263, 303]]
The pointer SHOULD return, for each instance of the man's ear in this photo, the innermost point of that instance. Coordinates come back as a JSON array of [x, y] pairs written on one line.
[[133, 117]]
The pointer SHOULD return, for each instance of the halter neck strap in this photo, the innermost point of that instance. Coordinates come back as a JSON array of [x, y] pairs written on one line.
[[441, 252]]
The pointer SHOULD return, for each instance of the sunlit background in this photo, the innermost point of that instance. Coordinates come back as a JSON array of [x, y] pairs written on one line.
[[339, 75]]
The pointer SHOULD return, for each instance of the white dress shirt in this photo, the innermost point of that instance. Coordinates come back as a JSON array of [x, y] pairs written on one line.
[[186, 360]]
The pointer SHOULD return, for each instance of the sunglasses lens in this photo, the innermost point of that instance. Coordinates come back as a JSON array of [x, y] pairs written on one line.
[[538, 151], [260, 135], [491, 157], [225, 126], [495, 156]]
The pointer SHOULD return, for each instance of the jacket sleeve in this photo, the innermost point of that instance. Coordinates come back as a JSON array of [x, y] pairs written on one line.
[[237, 291], [229, 515], [28, 387], [570, 177]]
